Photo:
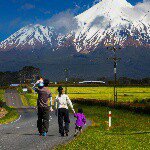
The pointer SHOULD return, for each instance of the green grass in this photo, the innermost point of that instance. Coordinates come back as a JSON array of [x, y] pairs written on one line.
[[129, 131], [125, 94], [31, 99], [106, 93], [10, 116], [24, 100], [12, 113], [2, 95]]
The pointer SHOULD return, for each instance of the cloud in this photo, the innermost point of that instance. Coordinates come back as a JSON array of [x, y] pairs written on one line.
[[144, 6], [100, 22], [45, 11], [140, 11], [64, 22], [28, 6], [146, 0], [14, 22], [96, 1]]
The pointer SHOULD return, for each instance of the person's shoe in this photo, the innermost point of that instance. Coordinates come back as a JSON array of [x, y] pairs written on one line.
[[75, 134], [40, 134], [44, 134], [62, 134], [66, 133]]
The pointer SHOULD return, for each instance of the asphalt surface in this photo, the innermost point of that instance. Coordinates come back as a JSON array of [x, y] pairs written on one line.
[[22, 134], [13, 98]]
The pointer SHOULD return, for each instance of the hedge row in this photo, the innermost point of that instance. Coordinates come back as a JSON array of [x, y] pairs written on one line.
[[96, 85], [130, 106]]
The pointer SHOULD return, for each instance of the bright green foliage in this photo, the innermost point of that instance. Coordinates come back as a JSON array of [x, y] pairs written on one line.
[[10, 116], [31, 99], [24, 100], [12, 113], [2, 95], [125, 94]]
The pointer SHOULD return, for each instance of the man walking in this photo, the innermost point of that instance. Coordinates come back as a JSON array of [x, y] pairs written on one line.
[[43, 109]]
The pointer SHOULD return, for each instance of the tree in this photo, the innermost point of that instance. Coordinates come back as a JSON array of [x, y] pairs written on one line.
[[28, 73], [25, 75]]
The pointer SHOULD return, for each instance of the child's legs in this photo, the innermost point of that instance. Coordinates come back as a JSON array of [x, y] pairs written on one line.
[[76, 129], [80, 129]]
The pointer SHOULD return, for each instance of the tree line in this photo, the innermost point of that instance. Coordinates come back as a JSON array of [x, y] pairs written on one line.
[[29, 74]]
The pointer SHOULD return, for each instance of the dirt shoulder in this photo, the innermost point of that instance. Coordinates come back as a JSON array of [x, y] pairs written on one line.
[[3, 112]]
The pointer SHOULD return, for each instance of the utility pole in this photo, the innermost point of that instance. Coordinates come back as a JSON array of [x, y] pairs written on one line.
[[66, 81], [115, 60]]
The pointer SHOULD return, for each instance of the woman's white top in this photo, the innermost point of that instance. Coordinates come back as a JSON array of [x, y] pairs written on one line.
[[62, 102]]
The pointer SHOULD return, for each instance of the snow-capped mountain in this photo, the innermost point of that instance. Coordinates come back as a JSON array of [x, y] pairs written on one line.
[[32, 36], [112, 22], [109, 22]]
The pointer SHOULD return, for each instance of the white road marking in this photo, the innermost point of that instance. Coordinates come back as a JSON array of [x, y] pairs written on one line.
[[16, 120], [17, 127]]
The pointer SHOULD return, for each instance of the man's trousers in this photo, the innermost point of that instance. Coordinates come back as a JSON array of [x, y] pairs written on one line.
[[43, 119]]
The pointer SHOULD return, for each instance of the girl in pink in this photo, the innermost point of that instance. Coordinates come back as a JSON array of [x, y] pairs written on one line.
[[80, 122]]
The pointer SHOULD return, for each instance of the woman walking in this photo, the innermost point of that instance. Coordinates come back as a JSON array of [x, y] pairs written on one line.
[[61, 103]]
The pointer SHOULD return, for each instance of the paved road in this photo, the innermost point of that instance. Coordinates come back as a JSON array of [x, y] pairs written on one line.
[[23, 135], [13, 98]]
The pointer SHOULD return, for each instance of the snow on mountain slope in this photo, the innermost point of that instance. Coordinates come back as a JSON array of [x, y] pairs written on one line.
[[112, 22], [108, 22], [32, 36]]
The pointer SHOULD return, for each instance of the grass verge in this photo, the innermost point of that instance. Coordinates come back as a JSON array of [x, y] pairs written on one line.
[[2, 95], [31, 99], [10, 116], [129, 131], [24, 100]]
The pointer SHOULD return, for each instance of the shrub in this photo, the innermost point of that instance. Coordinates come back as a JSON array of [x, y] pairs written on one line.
[[24, 86], [131, 106]]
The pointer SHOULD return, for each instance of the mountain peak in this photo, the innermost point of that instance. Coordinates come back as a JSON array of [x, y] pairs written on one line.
[[107, 22], [29, 36], [111, 21], [119, 2]]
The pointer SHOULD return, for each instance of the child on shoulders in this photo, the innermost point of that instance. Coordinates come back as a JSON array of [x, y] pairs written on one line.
[[39, 82]]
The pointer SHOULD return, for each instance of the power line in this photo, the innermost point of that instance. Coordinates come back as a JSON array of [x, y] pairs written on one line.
[[115, 60]]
